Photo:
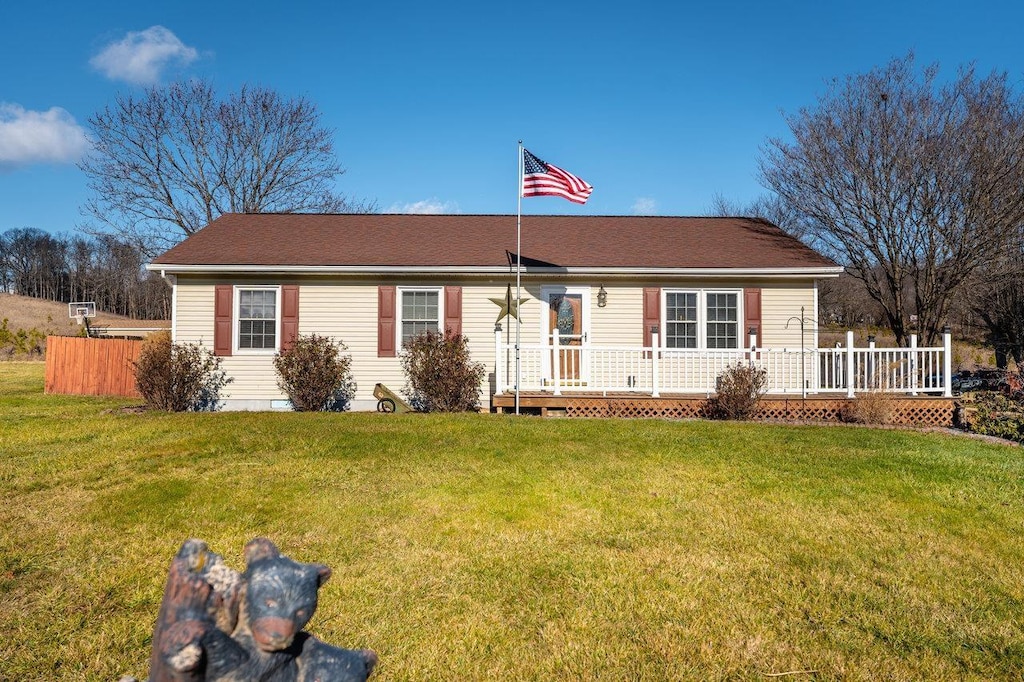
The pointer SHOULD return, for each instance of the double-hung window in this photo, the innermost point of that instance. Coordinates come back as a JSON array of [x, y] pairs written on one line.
[[421, 312], [258, 315], [681, 319], [722, 319], [702, 319]]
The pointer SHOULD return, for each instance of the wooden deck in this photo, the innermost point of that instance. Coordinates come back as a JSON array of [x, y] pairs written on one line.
[[907, 410]]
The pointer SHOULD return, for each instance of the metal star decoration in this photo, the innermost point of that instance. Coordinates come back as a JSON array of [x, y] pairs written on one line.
[[508, 305]]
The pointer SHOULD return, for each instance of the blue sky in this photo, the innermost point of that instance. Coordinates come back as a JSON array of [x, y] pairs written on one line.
[[659, 105]]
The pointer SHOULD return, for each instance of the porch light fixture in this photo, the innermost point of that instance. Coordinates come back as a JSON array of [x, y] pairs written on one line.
[[602, 297]]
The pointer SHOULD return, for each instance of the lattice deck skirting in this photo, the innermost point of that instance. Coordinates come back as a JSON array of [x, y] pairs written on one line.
[[905, 410]]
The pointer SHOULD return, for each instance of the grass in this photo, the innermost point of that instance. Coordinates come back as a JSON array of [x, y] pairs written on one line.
[[490, 547]]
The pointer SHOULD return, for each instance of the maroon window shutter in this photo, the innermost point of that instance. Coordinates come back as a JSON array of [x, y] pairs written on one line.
[[453, 309], [652, 312], [222, 312], [751, 314], [386, 322], [289, 315]]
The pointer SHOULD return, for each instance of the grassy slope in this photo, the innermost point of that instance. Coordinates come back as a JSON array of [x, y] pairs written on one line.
[[483, 547], [24, 312]]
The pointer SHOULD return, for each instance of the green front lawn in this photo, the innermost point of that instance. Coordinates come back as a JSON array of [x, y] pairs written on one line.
[[493, 547]]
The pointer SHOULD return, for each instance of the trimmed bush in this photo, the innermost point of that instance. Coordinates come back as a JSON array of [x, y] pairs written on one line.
[[738, 391], [440, 376], [179, 377], [315, 375]]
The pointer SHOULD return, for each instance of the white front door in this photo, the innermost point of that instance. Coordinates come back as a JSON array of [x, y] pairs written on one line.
[[566, 309]]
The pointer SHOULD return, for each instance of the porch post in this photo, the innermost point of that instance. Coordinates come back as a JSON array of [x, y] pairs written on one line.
[[947, 362], [499, 381], [872, 380], [654, 362], [913, 364], [752, 343], [556, 361], [849, 364]]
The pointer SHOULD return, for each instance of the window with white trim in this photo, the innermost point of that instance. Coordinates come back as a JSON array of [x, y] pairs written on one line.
[[420, 311], [699, 318], [722, 320], [257, 316], [681, 319]]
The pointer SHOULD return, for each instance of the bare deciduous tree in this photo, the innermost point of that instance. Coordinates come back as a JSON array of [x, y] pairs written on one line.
[[997, 300], [768, 207], [911, 184], [172, 159]]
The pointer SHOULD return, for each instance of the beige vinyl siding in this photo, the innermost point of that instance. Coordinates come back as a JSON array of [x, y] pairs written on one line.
[[779, 303], [252, 375], [349, 314], [347, 311], [194, 309], [620, 322]]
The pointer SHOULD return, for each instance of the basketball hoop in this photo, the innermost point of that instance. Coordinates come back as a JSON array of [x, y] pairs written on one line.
[[81, 311]]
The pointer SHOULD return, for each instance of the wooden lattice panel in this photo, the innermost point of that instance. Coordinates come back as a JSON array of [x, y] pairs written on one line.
[[814, 410], [587, 408], [652, 408], [906, 411], [924, 412], [656, 409]]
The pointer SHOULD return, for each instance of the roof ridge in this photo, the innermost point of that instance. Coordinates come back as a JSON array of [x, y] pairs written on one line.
[[506, 215]]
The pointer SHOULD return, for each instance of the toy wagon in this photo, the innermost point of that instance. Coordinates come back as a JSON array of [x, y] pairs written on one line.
[[388, 400]]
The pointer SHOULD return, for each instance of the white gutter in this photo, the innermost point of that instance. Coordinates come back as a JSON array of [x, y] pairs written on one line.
[[825, 271]]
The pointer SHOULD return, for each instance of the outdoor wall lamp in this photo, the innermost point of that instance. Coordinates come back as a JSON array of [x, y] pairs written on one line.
[[602, 297]]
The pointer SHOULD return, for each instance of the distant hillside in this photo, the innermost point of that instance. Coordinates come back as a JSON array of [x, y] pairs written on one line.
[[22, 312]]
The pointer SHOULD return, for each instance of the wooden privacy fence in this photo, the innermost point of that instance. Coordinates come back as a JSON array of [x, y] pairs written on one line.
[[80, 366]]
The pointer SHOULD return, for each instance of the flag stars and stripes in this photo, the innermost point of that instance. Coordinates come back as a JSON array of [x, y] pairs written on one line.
[[545, 179]]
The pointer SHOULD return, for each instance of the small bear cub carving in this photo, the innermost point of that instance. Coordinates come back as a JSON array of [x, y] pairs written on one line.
[[280, 595], [218, 625]]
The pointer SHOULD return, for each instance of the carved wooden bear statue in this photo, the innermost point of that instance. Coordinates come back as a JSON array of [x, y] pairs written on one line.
[[214, 628]]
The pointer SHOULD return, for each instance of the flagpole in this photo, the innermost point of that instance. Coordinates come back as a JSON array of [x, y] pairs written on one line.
[[519, 264]]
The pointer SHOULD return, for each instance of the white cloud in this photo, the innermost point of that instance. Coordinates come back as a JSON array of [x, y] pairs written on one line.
[[431, 206], [645, 206], [141, 55], [39, 136]]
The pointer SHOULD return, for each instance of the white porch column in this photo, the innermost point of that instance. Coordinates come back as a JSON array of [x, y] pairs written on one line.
[[947, 362], [850, 380], [752, 343], [654, 362], [499, 380], [913, 364], [556, 361]]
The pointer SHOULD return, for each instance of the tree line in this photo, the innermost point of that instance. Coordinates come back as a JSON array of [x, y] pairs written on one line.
[[69, 268]]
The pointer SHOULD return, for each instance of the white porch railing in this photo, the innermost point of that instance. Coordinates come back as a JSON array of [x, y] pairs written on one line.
[[649, 370]]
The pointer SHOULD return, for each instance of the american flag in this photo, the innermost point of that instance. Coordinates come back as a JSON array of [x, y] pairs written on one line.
[[544, 179]]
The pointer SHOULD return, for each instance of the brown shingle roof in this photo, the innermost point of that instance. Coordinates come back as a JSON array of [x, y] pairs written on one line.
[[485, 240]]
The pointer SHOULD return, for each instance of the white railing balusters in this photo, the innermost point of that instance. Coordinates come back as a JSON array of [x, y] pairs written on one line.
[[655, 371]]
